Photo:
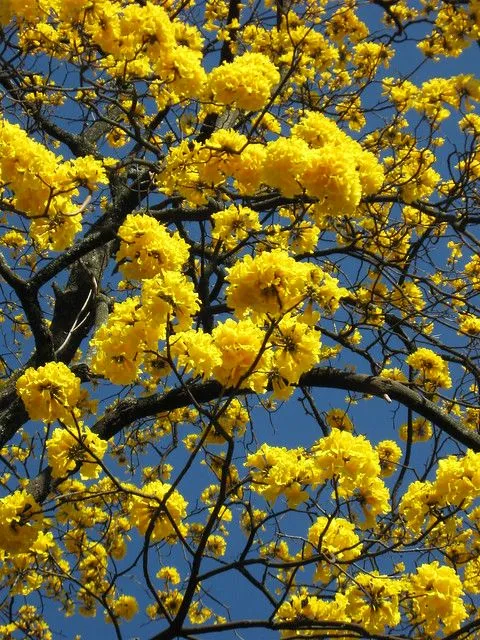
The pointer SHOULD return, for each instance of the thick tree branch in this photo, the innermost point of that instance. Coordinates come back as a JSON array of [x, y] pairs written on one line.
[[323, 377], [130, 410]]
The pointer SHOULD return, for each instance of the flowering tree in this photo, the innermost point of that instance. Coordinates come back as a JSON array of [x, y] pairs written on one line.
[[211, 213]]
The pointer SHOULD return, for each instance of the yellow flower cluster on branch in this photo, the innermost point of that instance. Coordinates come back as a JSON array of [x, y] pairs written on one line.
[[318, 159], [161, 516], [246, 83], [71, 447], [433, 370], [20, 522], [50, 392], [37, 184]]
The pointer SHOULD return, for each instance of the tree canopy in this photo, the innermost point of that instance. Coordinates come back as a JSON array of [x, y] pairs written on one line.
[[240, 322]]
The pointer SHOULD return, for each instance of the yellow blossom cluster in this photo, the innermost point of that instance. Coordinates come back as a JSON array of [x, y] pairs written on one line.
[[20, 522], [433, 370], [318, 159], [272, 283], [469, 324], [350, 459], [70, 447], [41, 187], [413, 170], [275, 283], [338, 419], [149, 253], [432, 96], [334, 540], [245, 83], [147, 248], [356, 464], [421, 430], [28, 620], [431, 597], [159, 510], [453, 31], [242, 352], [232, 419], [389, 453], [436, 595], [234, 224], [373, 601], [125, 607], [294, 41], [456, 484], [309, 607], [134, 40], [50, 392]]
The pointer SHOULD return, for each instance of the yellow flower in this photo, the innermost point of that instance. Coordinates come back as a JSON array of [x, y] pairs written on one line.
[[394, 374], [198, 614], [457, 481], [234, 224], [50, 392], [169, 574], [119, 344], [232, 420], [150, 510], [332, 177], [20, 522], [169, 296], [338, 419], [248, 172], [304, 606], [433, 369], [125, 607], [389, 453], [318, 130], [13, 240], [272, 283], [196, 351], [285, 159], [436, 595], [469, 324], [334, 539], [246, 83], [373, 601], [419, 500], [147, 248], [68, 447], [216, 545], [421, 430], [280, 470], [240, 346], [296, 348], [220, 157]]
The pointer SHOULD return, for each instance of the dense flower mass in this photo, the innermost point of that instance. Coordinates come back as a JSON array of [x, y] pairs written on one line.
[[147, 248], [20, 522], [246, 83], [50, 392], [433, 370], [273, 282], [161, 517], [42, 186], [69, 448]]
